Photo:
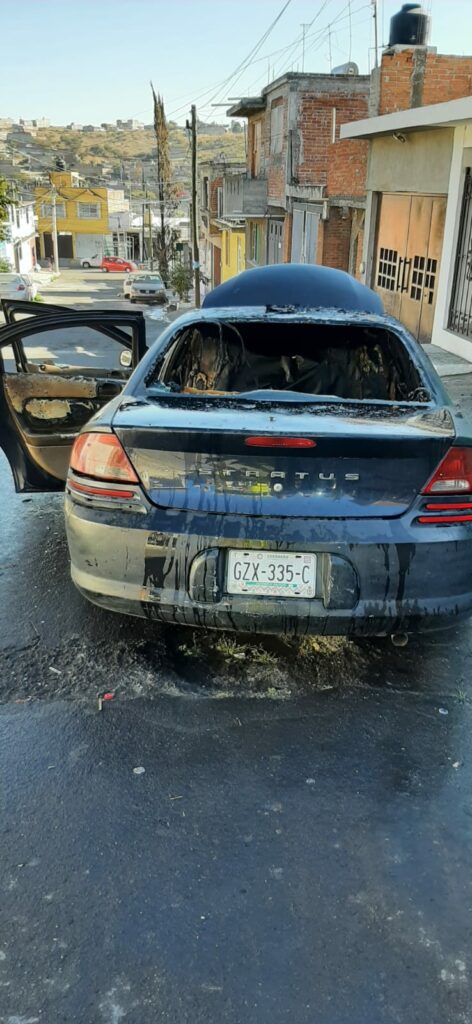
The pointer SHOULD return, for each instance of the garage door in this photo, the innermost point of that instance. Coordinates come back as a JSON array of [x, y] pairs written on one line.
[[408, 251]]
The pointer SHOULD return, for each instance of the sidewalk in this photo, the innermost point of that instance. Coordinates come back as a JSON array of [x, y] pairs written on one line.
[[446, 363]]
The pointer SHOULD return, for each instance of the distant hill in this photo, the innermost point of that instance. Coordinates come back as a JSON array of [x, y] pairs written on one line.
[[136, 149]]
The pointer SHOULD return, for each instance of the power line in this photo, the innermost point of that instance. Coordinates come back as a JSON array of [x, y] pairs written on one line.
[[237, 74], [318, 37], [240, 68]]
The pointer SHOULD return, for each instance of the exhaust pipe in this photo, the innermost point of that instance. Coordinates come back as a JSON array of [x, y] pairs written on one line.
[[399, 639]]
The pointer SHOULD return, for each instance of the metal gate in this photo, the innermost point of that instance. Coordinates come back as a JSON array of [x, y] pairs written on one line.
[[305, 234], [275, 243], [460, 310]]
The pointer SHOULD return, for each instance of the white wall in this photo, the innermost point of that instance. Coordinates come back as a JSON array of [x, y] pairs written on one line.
[[90, 245], [20, 238], [461, 158]]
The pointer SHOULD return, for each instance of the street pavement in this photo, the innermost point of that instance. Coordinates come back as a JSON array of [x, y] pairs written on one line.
[[259, 832]]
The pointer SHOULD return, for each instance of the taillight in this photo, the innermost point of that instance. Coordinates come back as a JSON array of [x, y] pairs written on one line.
[[453, 475], [280, 442], [103, 457]]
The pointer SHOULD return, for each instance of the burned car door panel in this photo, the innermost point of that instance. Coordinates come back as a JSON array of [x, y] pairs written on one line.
[[45, 403]]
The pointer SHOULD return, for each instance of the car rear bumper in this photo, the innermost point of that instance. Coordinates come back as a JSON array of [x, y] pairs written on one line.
[[175, 572]]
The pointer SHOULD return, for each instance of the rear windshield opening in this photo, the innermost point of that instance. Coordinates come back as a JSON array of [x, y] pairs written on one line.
[[345, 361]]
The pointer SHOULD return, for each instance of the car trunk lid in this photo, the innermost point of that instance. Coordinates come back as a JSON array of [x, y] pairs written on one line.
[[365, 461]]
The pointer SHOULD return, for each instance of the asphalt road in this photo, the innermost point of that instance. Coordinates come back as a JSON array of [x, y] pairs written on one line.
[[297, 848], [88, 290]]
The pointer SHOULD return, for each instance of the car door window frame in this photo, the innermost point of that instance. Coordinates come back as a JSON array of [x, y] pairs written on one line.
[[104, 321]]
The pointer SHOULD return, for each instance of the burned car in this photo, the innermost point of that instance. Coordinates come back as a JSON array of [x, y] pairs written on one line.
[[283, 460]]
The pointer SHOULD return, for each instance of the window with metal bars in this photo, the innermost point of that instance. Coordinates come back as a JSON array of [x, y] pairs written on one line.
[[460, 309], [430, 279], [387, 270], [417, 277]]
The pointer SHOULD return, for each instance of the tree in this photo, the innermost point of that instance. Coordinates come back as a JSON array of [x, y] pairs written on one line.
[[6, 200], [181, 279], [161, 132]]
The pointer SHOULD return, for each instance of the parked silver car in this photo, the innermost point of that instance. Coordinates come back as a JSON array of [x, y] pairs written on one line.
[[147, 287], [17, 286]]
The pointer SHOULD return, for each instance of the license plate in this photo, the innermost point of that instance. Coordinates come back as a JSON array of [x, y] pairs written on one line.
[[271, 573]]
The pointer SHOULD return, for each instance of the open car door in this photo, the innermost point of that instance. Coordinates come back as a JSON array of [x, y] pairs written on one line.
[[17, 309], [56, 370]]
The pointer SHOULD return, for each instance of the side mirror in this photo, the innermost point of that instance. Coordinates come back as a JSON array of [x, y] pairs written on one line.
[[126, 358]]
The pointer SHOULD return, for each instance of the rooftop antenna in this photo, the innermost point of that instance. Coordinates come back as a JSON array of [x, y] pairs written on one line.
[[376, 33], [304, 26]]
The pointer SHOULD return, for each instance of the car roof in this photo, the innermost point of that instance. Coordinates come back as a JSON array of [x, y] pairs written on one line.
[[294, 285]]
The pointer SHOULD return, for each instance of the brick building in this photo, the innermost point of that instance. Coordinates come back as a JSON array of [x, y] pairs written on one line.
[[418, 232], [303, 191]]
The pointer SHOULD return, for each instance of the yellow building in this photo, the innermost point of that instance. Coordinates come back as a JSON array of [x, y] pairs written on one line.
[[82, 216], [233, 250]]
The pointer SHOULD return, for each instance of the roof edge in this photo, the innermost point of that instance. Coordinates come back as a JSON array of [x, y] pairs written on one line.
[[435, 115]]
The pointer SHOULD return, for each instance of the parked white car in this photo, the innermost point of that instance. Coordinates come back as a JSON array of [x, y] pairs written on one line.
[[91, 261], [145, 287], [17, 286]]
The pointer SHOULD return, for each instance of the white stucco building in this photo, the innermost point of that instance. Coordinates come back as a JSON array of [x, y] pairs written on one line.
[[19, 245]]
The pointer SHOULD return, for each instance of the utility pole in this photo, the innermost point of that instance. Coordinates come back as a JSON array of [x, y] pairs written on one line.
[[141, 239], [376, 33], [54, 231], [150, 236], [329, 46], [196, 254]]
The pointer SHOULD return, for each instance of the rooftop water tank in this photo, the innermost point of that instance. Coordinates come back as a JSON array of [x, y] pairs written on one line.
[[346, 69], [410, 27]]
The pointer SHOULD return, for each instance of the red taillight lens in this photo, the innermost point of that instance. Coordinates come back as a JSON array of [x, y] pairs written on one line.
[[453, 475], [280, 442], [103, 457]]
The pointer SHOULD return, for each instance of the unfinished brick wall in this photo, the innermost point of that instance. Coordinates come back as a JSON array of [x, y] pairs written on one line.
[[315, 127], [340, 166], [336, 239], [347, 158], [414, 77], [446, 78]]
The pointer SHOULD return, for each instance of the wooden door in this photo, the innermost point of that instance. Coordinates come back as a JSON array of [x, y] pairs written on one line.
[[409, 242], [431, 270], [414, 262], [392, 235], [216, 266]]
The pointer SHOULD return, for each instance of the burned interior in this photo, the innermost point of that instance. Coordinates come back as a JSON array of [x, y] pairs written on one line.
[[346, 361]]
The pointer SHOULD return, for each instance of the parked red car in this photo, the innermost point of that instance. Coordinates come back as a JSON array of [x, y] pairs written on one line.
[[110, 263]]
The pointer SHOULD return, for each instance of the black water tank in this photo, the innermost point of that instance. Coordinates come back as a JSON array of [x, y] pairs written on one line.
[[410, 27]]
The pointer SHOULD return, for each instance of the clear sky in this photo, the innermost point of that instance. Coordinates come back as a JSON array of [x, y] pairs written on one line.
[[91, 60]]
